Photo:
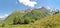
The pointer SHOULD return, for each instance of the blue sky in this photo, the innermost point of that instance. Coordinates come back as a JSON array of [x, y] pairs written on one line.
[[8, 6]]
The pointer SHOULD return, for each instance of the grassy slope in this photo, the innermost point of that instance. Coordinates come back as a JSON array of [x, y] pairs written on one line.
[[53, 21], [9, 19], [49, 22], [37, 13]]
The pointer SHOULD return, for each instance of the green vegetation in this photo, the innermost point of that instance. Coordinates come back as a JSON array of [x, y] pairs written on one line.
[[37, 18], [15, 15], [47, 22], [19, 17]]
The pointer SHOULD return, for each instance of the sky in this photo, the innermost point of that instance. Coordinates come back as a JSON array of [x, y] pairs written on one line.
[[8, 6]]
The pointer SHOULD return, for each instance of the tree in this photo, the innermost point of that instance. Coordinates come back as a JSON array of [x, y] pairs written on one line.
[[20, 21], [3, 25], [15, 21], [27, 21]]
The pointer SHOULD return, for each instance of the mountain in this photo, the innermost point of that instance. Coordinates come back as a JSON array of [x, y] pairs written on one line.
[[52, 10], [52, 21], [10, 18], [28, 10], [33, 18], [48, 22], [1, 18], [30, 16], [27, 16], [37, 13]]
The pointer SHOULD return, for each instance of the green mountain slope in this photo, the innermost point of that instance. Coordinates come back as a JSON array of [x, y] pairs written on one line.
[[48, 22], [31, 16], [41, 17], [10, 18], [36, 14], [52, 21]]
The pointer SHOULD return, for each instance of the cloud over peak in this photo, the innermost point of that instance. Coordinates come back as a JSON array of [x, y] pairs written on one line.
[[28, 3]]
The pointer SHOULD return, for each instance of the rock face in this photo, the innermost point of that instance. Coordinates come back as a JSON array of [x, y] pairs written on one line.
[[52, 10]]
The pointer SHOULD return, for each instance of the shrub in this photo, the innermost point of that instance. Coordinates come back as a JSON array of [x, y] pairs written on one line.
[[20, 21], [15, 21], [27, 21], [3, 25]]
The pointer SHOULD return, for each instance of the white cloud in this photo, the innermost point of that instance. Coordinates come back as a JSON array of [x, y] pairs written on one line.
[[28, 3], [4, 16]]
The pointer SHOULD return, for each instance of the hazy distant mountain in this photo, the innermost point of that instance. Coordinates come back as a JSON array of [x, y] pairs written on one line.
[[0, 18], [3, 17]]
